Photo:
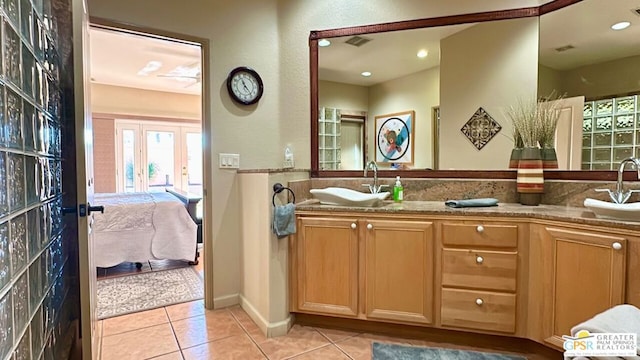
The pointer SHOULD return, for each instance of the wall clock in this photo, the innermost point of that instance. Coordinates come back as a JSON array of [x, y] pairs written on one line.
[[244, 85]]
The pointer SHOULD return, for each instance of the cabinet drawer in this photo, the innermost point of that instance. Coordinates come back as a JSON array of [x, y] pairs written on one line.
[[489, 270], [469, 234], [481, 310]]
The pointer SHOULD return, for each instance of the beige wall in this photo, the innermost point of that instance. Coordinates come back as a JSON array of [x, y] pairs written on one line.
[[419, 92], [104, 155], [549, 80], [122, 100], [343, 96], [272, 37], [477, 70], [605, 79]]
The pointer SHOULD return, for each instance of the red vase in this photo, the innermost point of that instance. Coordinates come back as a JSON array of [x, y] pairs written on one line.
[[530, 180]]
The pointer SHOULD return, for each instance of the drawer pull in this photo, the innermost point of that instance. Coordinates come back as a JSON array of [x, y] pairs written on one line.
[[616, 246], [353, 225], [480, 228], [479, 259], [479, 302], [369, 226]]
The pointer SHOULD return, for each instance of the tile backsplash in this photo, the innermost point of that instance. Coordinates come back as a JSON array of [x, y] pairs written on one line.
[[557, 192]]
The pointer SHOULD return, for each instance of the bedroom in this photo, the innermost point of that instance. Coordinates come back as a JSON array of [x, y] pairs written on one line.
[[147, 123]]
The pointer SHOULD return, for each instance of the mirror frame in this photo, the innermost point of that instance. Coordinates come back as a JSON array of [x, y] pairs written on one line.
[[426, 23]]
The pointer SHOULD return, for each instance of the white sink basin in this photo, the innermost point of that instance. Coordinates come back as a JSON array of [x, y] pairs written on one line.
[[348, 197], [609, 210]]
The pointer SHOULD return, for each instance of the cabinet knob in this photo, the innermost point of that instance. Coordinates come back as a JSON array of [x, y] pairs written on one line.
[[353, 225], [369, 226], [616, 246], [479, 259], [480, 228], [479, 301]]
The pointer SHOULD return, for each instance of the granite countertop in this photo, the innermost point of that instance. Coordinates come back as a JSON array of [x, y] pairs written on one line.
[[578, 215]]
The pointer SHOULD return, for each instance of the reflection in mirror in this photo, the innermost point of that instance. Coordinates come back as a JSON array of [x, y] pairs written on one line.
[[583, 57], [449, 70], [601, 93]]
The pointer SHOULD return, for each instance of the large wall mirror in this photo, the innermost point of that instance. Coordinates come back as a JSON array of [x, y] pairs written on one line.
[[477, 65]]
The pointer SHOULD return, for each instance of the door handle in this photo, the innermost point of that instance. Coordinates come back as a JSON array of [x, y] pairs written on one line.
[[95, 208]]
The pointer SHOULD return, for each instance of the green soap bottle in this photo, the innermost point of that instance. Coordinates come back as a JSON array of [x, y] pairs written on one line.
[[398, 190]]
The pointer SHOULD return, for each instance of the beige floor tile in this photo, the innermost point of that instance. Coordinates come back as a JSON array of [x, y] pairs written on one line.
[[336, 335], [135, 321], [214, 325], [185, 310], [238, 347], [300, 339], [173, 356], [140, 344], [359, 347], [247, 324], [330, 352]]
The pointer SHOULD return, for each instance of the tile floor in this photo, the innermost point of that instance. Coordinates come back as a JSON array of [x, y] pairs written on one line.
[[188, 332]]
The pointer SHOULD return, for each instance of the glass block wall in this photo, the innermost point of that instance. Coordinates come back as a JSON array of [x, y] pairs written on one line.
[[329, 138], [610, 132], [35, 284]]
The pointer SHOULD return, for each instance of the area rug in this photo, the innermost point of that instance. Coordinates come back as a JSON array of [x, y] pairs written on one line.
[[149, 290], [393, 352]]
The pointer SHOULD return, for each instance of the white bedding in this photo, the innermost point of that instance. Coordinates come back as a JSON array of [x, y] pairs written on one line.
[[137, 227]]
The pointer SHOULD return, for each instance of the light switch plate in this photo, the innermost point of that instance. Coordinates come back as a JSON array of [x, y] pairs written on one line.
[[229, 161]]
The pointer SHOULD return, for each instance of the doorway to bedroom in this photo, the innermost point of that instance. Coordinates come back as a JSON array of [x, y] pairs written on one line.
[[147, 109]]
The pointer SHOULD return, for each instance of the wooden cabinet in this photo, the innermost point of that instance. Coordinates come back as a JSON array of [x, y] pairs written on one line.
[[588, 276], [479, 275], [325, 266], [399, 270], [525, 278]]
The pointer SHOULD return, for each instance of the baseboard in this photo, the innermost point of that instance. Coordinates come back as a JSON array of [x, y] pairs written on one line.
[[269, 329], [226, 301]]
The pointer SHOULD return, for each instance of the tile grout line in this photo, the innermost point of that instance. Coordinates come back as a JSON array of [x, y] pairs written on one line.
[[247, 333], [335, 344], [175, 336]]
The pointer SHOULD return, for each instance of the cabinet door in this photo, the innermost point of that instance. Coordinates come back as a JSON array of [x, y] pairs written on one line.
[[327, 266], [588, 277], [399, 270]]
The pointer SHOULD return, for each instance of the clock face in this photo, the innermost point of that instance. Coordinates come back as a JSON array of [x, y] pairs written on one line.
[[245, 85]]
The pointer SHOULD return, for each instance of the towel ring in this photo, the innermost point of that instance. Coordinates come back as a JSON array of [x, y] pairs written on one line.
[[277, 189]]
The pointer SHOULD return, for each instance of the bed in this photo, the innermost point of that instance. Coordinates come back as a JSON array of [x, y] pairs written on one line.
[[137, 227]]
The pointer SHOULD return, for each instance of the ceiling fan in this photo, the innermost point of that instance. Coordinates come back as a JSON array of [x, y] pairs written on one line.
[[185, 74]]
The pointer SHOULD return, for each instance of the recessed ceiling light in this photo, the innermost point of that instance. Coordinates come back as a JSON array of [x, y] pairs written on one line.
[[324, 42], [151, 66], [621, 25], [366, 73], [422, 53]]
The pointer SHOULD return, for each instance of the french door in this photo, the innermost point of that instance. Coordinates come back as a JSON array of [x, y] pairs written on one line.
[[154, 156]]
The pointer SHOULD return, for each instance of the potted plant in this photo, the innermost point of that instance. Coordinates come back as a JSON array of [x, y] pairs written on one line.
[[548, 115], [527, 129]]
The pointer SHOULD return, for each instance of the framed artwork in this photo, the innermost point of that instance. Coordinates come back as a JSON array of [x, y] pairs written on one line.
[[394, 137]]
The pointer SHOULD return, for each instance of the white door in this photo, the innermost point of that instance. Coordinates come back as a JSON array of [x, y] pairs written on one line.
[[84, 166], [569, 133], [151, 156]]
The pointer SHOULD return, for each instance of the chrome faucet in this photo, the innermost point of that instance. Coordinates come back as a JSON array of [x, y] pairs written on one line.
[[373, 188], [619, 196]]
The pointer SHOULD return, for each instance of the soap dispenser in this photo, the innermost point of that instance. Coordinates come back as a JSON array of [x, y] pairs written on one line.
[[398, 191]]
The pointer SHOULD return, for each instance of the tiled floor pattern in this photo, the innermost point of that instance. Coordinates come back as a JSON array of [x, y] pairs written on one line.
[[188, 332]]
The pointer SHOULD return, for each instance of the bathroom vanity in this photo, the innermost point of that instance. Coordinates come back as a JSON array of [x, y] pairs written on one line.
[[527, 272]]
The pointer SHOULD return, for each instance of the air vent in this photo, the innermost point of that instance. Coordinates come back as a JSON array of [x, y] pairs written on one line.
[[357, 41], [565, 48], [636, 11]]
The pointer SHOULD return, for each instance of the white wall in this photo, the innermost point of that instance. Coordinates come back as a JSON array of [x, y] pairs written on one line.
[[272, 37], [111, 99], [419, 92], [477, 70]]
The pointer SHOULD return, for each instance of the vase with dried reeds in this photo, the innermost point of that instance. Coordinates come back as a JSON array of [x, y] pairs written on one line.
[[548, 115], [530, 176]]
